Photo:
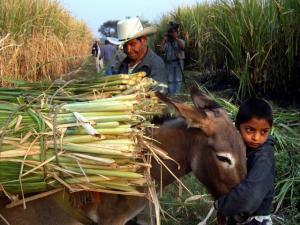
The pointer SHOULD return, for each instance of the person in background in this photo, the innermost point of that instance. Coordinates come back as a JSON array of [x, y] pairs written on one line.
[[108, 53], [119, 58], [173, 50], [139, 57], [250, 202], [96, 52]]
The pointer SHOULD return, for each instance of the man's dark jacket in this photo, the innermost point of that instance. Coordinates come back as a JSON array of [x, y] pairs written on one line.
[[152, 64], [254, 195]]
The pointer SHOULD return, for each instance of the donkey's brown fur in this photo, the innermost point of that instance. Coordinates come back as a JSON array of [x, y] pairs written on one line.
[[46, 211], [203, 141]]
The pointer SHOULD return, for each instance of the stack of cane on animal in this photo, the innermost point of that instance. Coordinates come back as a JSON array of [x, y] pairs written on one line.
[[79, 135]]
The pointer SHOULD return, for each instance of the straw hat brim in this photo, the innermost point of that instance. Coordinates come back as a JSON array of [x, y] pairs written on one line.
[[145, 32]]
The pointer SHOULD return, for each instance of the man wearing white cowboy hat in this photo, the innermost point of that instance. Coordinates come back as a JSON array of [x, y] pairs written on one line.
[[133, 37]]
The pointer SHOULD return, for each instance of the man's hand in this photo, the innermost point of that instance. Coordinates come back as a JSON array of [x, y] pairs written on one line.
[[180, 43], [165, 39]]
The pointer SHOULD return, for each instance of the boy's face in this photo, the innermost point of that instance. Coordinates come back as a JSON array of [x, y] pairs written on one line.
[[255, 132]]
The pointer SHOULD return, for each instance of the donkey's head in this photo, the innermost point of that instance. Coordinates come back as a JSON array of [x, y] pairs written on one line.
[[217, 153]]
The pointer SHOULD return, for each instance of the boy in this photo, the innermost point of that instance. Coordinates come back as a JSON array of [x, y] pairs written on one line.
[[250, 202]]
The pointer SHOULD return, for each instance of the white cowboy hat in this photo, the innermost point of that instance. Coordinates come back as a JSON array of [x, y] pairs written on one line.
[[130, 29]]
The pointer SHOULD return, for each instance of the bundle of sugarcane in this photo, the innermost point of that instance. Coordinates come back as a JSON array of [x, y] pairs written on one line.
[[91, 145], [78, 90]]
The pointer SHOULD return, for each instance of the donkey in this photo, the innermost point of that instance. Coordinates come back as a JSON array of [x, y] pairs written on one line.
[[203, 141]]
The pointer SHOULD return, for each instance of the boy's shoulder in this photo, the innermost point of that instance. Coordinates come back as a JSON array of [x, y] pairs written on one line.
[[268, 146], [263, 157], [270, 140]]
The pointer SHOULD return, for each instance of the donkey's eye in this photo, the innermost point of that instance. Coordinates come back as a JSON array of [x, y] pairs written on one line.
[[224, 159]]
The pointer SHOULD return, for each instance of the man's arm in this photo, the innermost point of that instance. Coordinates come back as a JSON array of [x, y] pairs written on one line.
[[180, 43], [163, 44]]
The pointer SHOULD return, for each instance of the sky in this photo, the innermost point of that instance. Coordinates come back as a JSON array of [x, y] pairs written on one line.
[[96, 12]]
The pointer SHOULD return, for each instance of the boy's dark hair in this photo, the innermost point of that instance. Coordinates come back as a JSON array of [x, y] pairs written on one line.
[[254, 108]]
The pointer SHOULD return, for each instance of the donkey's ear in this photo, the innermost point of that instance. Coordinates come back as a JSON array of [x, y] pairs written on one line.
[[164, 98], [202, 101], [191, 115], [174, 103], [184, 110]]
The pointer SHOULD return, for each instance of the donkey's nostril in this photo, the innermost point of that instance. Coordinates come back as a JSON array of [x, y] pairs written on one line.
[[225, 159]]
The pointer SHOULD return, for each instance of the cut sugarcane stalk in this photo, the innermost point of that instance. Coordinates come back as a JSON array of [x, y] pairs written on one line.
[[99, 107], [97, 159], [50, 140], [107, 173], [86, 125]]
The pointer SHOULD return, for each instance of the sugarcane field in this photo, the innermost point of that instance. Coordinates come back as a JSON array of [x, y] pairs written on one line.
[[175, 112]]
